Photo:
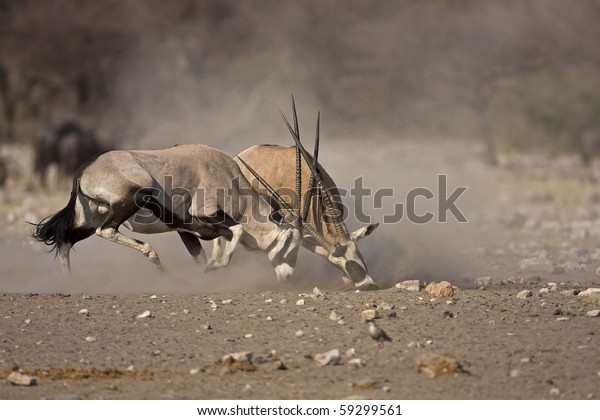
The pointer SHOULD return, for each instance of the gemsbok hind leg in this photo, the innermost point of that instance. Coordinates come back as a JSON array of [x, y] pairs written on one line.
[[110, 230]]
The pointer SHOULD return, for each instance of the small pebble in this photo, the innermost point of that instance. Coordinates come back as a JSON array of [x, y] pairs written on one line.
[[300, 302], [593, 313], [145, 314], [524, 294]]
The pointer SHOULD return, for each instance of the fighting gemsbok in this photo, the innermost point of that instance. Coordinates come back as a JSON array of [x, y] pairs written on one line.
[[195, 190], [315, 197]]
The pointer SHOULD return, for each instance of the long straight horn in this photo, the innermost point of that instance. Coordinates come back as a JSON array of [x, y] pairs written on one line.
[[340, 228], [311, 184], [300, 219], [272, 192], [320, 239]]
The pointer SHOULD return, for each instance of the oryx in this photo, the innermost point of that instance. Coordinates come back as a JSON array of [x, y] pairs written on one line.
[[316, 199], [195, 190]]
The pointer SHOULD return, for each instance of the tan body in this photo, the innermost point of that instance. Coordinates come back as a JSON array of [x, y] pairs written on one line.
[[275, 164]]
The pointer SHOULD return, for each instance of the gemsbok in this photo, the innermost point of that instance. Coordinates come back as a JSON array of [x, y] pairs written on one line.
[[194, 190], [318, 203]]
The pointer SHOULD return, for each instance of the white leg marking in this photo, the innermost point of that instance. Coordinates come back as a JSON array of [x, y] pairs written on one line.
[[113, 235], [284, 272], [221, 256]]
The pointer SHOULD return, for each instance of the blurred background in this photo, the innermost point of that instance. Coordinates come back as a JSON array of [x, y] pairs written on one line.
[[513, 74], [502, 96]]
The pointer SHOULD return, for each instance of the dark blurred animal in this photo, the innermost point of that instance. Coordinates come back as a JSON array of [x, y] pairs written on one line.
[[589, 148], [3, 171], [68, 146]]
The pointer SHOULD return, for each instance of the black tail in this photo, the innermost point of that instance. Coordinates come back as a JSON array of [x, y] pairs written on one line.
[[59, 229]]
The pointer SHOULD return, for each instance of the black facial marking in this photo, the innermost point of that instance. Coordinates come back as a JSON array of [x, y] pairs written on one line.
[[355, 271]]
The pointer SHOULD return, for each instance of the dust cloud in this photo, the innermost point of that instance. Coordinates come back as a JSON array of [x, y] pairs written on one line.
[[401, 87]]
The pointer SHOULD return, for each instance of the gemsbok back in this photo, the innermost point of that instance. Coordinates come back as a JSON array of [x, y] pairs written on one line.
[[194, 190]]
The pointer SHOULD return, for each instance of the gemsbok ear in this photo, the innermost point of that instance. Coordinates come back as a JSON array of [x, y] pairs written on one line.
[[363, 231]]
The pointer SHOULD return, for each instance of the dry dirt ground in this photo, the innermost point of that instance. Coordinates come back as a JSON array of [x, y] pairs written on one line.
[[531, 223]]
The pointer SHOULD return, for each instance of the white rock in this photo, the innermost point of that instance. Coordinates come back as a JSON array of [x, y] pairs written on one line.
[[350, 352], [194, 371], [269, 318], [563, 318], [145, 314], [334, 316], [84, 312], [409, 285], [593, 313], [524, 294], [283, 301], [242, 356], [153, 297], [300, 302], [552, 286], [544, 291], [226, 301], [27, 321], [299, 333], [17, 378], [369, 314], [590, 291], [90, 339], [384, 306], [554, 392], [268, 300], [329, 358], [249, 336], [356, 362]]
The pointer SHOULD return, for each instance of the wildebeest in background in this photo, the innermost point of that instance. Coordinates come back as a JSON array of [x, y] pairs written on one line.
[[68, 146], [589, 148]]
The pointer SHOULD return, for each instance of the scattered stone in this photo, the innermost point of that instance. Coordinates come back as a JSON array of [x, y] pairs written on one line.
[[552, 286], [334, 316], [593, 313], [441, 289], [300, 302], [194, 371], [350, 352], [365, 384], [356, 363], [370, 314], [384, 306], [591, 295], [90, 339], [268, 300], [18, 378], [153, 297], [317, 294], [450, 302], [206, 326], [299, 333], [524, 294], [226, 301], [563, 318], [269, 318], [409, 285], [386, 389], [515, 373], [84, 312], [145, 314], [329, 358], [483, 281], [278, 364], [249, 336], [434, 364], [554, 392], [525, 360], [283, 301], [240, 361], [544, 291], [28, 321]]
